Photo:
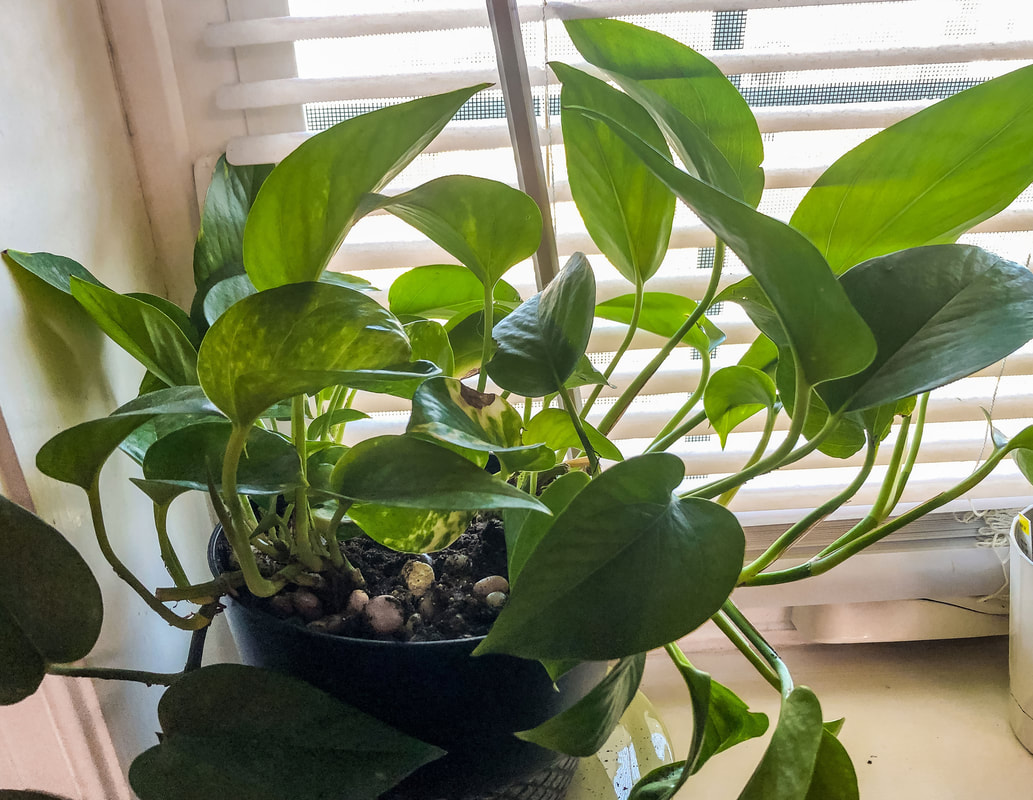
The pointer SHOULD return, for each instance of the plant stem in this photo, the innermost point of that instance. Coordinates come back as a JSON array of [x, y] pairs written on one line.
[[168, 553], [196, 651], [100, 530], [616, 411], [784, 453], [115, 674], [736, 617], [663, 442], [636, 312], [880, 510], [756, 455], [568, 405], [797, 531], [489, 313], [694, 398], [336, 556], [742, 644], [231, 514], [850, 545], [912, 454], [302, 540]]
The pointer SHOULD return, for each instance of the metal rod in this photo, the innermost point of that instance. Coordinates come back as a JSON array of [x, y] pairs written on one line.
[[523, 130]]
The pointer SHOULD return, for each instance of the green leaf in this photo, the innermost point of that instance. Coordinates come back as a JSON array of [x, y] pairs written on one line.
[[173, 312], [834, 777], [626, 210], [50, 603], [322, 424], [466, 336], [541, 343], [314, 196], [226, 293], [347, 281], [487, 225], [172, 401], [636, 567], [554, 427], [526, 528], [785, 770], [220, 240], [410, 530], [76, 455], [938, 313], [58, 271], [444, 291], [143, 331], [291, 340], [825, 331], [584, 727], [452, 414], [847, 435], [688, 96], [733, 395], [212, 718], [1024, 461], [191, 457], [762, 354], [405, 472], [161, 494], [927, 179], [663, 313], [728, 722], [429, 341], [585, 374]]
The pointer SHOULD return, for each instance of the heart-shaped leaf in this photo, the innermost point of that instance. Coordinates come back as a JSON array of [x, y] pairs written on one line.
[[829, 337], [541, 343], [584, 727], [212, 718], [938, 313], [663, 313], [834, 776], [636, 567], [226, 293], [410, 530], [290, 340], [192, 457], [785, 770], [688, 96], [554, 427], [525, 528], [429, 342], [315, 195], [487, 225], [626, 210], [173, 400], [173, 312], [444, 291], [76, 455], [405, 472], [733, 395], [322, 424], [50, 603], [927, 179], [220, 240], [466, 336], [449, 412], [140, 329], [58, 271]]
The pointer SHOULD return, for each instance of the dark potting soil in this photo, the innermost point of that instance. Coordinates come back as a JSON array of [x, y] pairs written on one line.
[[453, 594]]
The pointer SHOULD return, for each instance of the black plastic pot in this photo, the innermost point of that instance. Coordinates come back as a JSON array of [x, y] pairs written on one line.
[[434, 691]]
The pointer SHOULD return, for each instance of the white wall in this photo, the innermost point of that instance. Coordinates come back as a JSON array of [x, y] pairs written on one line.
[[69, 186]]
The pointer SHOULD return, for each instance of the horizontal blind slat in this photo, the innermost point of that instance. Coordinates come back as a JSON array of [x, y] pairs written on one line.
[[274, 30]]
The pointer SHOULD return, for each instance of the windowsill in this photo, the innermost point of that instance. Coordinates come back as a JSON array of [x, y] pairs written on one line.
[[924, 720]]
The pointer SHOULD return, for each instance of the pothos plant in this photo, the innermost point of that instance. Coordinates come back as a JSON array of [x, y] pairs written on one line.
[[863, 300]]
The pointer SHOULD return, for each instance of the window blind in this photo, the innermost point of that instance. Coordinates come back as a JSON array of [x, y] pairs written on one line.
[[821, 75]]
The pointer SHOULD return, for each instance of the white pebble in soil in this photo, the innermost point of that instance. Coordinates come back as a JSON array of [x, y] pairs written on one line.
[[357, 601], [496, 600], [384, 613], [418, 577], [493, 583]]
